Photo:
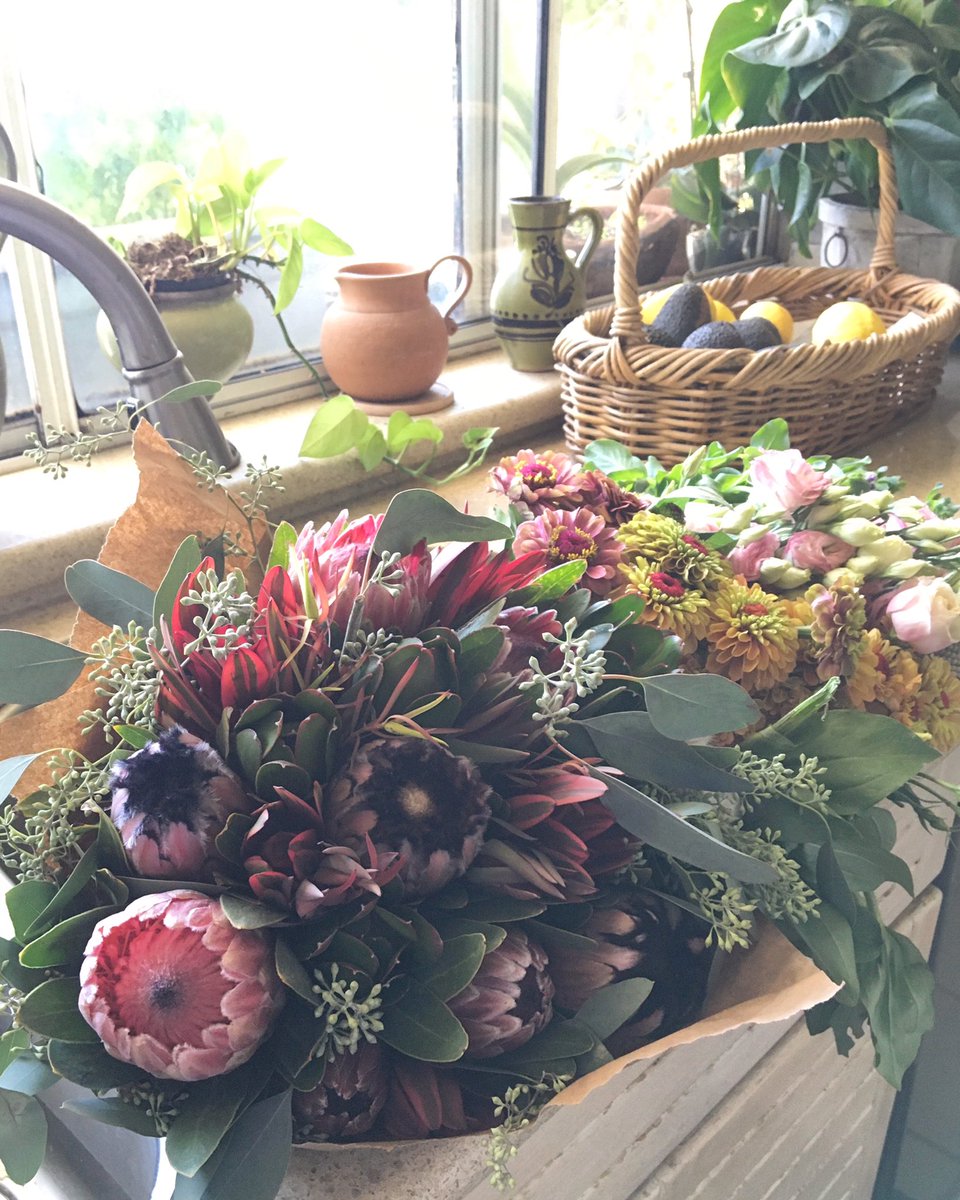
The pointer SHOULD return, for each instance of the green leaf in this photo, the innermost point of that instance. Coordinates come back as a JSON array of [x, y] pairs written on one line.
[[144, 179], [35, 669], [560, 1039], [807, 32], [493, 909], [898, 996], [187, 558], [551, 585], [23, 1135], [116, 1112], [134, 736], [26, 901], [734, 25], [51, 1010], [887, 52], [290, 276], [671, 834], [372, 448], [109, 596], [403, 430], [12, 1044], [774, 435], [629, 741], [293, 973], [925, 133], [65, 942], [608, 456], [209, 1111], [696, 706], [248, 914], [865, 756], [420, 515], [284, 538], [864, 865], [318, 237], [336, 427], [91, 1066], [420, 1025], [200, 388], [252, 1159], [459, 962], [78, 879], [609, 1007], [829, 939], [11, 769], [28, 1075]]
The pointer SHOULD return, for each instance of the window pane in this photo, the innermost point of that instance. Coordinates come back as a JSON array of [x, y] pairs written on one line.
[[359, 99], [17, 390]]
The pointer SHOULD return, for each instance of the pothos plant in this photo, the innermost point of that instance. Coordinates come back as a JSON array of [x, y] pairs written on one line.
[[896, 61], [221, 228]]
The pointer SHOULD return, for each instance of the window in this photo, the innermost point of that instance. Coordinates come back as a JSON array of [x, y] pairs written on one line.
[[406, 126]]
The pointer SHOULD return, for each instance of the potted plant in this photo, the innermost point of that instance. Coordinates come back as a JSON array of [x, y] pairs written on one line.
[[818, 60], [222, 239]]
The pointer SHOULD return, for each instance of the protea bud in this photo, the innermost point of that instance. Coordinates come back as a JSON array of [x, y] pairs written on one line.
[[509, 1000], [642, 937], [423, 1100], [349, 1099], [169, 985], [412, 797], [170, 800]]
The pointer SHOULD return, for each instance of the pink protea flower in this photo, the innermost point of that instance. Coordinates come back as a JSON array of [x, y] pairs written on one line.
[[170, 800], [169, 985], [566, 536], [348, 1101], [509, 1000], [535, 482]]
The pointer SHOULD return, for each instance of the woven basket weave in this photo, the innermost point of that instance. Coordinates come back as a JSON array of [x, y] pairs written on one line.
[[662, 401]]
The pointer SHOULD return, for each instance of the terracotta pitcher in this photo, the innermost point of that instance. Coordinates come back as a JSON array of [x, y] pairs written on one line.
[[383, 341]]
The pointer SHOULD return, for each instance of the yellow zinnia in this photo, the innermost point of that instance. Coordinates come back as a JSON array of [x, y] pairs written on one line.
[[668, 604], [753, 639], [936, 706]]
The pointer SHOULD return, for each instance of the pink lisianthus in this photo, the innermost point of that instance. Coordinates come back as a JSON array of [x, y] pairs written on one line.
[[746, 559], [534, 482], [785, 481], [816, 551], [925, 614], [566, 536], [170, 986]]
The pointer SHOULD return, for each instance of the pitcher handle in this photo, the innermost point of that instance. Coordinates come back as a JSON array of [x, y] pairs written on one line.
[[593, 237], [466, 279]]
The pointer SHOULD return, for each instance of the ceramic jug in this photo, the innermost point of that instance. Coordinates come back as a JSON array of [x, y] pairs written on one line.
[[542, 286], [382, 340]]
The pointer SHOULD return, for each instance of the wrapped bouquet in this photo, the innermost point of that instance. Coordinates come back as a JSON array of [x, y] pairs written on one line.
[[391, 828]]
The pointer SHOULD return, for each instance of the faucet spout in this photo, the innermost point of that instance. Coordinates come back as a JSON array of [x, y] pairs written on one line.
[[152, 364]]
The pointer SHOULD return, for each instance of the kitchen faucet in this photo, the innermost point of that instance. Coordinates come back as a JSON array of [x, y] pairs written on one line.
[[152, 364]]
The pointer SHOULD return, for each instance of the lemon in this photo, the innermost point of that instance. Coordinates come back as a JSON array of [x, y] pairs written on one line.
[[650, 308], [719, 311], [775, 313], [848, 321]]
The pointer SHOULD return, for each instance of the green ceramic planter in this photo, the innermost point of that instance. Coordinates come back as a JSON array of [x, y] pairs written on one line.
[[541, 287], [211, 328]]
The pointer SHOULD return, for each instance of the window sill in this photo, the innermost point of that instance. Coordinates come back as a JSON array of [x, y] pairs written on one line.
[[50, 524]]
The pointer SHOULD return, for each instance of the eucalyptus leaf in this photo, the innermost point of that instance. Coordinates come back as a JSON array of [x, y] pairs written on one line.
[[109, 596], [187, 558], [34, 669], [23, 1135], [683, 707], [28, 1075], [609, 1007], [11, 770], [419, 515], [114, 1111], [209, 1111]]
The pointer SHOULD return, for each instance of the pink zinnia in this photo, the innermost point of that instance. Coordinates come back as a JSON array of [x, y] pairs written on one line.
[[534, 482], [169, 985], [566, 536]]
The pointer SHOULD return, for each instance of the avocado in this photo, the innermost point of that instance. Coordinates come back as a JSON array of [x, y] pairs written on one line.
[[687, 308], [715, 335], [660, 337], [758, 333]]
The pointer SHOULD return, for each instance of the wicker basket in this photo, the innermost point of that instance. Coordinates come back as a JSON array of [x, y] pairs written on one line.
[[662, 401]]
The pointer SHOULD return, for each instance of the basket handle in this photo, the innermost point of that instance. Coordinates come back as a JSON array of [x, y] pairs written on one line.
[[626, 320]]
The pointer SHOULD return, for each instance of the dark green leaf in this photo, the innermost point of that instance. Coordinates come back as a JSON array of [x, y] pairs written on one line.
[[23, 1135], [866, 865], [459, 962], [28, 1075], [925, 133], [664, 830], [12, 1044], [26, 901], [898, 995], [248, 914], [421, 515], [493, 908], [187, 558], [293, 973], [113, 1111], [829, 938], [91, 1066], [696, 706], [64, 943], [78, 879], [109, 596], [451, 927], [421, 1026], [110, 851], [560, 1039], [35, 669], [609, 1007], [51, 1010]]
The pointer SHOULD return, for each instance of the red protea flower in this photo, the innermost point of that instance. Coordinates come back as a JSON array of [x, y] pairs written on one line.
[[524, 629], [567, 536], [411, 797], [466, 579], [509, 999], [349, 1099], [169, 801], [641, 936], [169, 985], [534, 482]]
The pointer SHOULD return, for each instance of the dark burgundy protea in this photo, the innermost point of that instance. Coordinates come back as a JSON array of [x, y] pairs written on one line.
[[348, 1101], [524, 629], [423, 1100], [641, 937], [509, 1000], [609, 500], [410, 796], [169, 802]]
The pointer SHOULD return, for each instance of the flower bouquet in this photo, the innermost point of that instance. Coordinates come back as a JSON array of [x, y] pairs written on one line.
[[376, 832]]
